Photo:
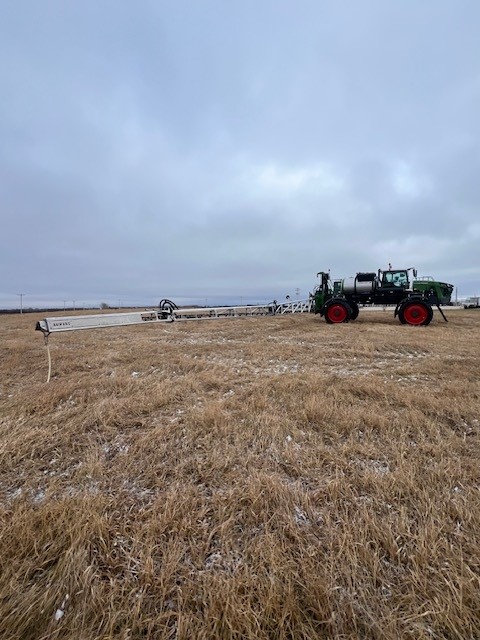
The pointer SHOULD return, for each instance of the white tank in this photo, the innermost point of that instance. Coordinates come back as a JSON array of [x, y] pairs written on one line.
[[363, 283]]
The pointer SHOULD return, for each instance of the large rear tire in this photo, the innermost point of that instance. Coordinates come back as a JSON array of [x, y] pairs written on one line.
[[337, 312], [415, 313]]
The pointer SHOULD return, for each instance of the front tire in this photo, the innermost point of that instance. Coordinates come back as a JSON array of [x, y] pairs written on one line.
[[415, 313]]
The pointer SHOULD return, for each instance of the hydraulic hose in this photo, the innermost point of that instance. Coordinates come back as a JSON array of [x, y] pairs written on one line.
[[167, 305]]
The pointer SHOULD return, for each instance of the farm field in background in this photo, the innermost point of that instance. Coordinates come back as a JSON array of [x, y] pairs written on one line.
[[260, 478]]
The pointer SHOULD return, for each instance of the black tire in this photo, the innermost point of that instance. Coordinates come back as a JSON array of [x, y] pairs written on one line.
[[415, 313], [397, 313], [355, 310], [337, 311]]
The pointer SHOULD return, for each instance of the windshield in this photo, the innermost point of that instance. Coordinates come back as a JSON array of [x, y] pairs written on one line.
[[395, 278]]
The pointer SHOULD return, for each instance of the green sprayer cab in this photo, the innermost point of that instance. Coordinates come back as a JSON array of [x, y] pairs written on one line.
[[339, 302]]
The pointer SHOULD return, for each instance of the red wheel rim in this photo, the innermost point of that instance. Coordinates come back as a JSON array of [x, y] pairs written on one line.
[[337, 313], [415, 313]]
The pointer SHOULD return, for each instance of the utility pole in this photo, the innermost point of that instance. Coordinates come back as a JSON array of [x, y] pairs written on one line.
[[74, 305], [64, 305], [21, 300]]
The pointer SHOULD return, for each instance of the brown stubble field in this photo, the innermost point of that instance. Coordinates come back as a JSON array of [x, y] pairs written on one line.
[[250, 479]]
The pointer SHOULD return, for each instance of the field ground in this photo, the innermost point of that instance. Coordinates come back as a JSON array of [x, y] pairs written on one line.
[[249, 479]]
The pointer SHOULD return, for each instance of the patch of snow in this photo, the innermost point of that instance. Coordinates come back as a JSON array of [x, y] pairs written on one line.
[[16, 493], [228, 562], [301, 517], [60, 612], [39, 496], [380, 467]]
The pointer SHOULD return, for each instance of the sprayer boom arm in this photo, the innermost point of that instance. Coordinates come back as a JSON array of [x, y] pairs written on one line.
[[94, 321]]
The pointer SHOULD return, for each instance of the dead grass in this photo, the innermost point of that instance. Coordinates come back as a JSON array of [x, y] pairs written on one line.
[[251, 478]]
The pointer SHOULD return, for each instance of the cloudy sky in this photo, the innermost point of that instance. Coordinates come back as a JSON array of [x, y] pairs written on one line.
[[227, 150]]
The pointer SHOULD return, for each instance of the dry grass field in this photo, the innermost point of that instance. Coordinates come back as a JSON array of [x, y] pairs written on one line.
[[270, 478]]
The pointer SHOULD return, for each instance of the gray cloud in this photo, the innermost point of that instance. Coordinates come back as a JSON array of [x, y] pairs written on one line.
[[215, 150]]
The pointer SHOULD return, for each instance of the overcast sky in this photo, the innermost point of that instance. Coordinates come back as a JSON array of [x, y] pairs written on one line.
[[229, 149]]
